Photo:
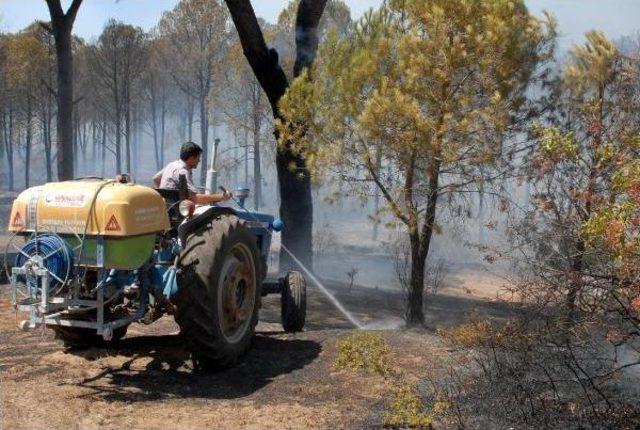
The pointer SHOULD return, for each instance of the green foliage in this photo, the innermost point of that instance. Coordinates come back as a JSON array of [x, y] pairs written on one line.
[[363, 350], [555, 144], [626, 175], [407, 410], [418, 103], [198, 37], [420, 87], [597, 60], [26, 62]]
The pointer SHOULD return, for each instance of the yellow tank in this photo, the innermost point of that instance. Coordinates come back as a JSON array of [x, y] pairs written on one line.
[[120, 220]]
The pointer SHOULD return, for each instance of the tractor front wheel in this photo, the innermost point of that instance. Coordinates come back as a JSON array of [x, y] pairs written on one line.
[[293, 302], [219, 292]]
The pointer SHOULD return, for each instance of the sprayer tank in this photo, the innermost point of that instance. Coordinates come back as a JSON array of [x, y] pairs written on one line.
[[118, 222]]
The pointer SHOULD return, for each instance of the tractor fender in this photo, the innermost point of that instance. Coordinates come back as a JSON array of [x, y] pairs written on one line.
[[199, 221]]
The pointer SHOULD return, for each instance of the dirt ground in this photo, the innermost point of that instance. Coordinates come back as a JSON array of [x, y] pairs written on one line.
[[287, 381]]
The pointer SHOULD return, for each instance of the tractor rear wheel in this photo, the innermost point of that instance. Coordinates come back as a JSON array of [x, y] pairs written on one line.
[[293, 301], [219, 292]]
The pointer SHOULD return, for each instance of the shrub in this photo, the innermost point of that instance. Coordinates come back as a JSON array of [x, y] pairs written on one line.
[[363, 350], [470, 334], [407, 410]]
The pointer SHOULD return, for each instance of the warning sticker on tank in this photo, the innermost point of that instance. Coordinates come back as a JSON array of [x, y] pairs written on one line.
[[112, 225], [17, 221], [66, 200]]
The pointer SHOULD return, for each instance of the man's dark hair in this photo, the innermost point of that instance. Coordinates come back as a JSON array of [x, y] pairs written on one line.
[[188, 150]]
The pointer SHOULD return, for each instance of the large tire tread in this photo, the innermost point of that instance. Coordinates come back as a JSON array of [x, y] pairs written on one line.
[[196, 300], [293, 302]]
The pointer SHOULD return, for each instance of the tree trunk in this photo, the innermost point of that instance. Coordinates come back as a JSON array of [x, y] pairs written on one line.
[[83, 148], [117, 122], [103, 158], [163, 115], [61, 26], [127, 130], [76, 144], [154, 128], [420, 251], [135, 142], [296, 206], [46, 140], [118, 148], [235, 157], [414, 312], [376, 197], [8, 145], [575, 281], [49, 148], [246, 158], [257, 167], [94, 145], [204, 137], [27, 156], [189, 119]]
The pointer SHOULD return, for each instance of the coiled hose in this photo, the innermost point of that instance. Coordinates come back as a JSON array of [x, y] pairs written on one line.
[[56, 254]]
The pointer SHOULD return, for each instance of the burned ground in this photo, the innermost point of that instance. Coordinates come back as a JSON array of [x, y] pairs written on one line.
[[286, 381]]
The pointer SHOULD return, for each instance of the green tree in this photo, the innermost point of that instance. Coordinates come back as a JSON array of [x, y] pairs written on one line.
[[296, 203], [156, 91], [47, 89], [117, 61], [245, 108], [8, 112], [26, 59], [432, 89]]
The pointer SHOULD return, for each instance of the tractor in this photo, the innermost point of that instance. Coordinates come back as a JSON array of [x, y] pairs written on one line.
[[96, 255]]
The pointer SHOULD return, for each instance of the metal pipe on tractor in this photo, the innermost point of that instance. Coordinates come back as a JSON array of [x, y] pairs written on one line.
[[211, 183], [95, 255]]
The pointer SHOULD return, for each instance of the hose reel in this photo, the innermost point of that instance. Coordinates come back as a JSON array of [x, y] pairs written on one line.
[[48, 252]]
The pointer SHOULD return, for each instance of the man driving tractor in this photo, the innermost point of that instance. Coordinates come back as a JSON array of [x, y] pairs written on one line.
[[168, 178]]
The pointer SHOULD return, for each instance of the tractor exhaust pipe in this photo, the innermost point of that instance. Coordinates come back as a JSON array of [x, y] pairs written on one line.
[[211, 183]]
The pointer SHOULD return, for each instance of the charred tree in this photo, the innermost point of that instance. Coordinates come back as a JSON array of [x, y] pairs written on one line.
[[61, 26], [257, 165], [296, 205]]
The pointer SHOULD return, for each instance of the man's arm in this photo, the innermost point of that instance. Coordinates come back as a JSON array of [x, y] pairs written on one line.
[[157, 178], [203, 199]]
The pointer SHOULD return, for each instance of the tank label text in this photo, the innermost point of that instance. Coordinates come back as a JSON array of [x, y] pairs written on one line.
[[147, 215], [65, 200]]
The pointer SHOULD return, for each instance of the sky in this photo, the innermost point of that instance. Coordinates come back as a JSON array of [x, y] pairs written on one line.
[[615, 17]]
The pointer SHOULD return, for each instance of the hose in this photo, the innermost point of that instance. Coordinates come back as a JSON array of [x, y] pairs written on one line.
[[86, 223]]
